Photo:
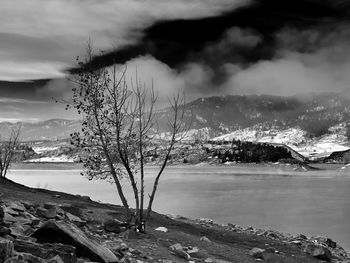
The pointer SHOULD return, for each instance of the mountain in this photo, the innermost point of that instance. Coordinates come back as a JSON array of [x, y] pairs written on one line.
[[315, 125], [314, 114], [54, 129], [315, 118]]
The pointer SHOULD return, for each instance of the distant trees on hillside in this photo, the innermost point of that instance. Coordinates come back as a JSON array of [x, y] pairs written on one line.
[[249, 152]]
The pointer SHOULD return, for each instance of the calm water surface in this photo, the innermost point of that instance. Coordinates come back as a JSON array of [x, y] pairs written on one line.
[[316, 202]]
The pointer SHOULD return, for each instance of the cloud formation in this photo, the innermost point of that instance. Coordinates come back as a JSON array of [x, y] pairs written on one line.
[[40, 34], [265, 46], [202, 47]]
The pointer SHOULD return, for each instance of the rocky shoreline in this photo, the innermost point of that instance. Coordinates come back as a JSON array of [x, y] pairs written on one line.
[[320, 247], [66, 232]]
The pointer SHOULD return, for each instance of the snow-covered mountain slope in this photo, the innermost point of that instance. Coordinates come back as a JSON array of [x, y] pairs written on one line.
[[290, 137], [315, 125], [296, 138]]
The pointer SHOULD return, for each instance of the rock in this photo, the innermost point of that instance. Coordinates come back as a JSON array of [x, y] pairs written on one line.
[[209, 260], [34, 220], [164, 242], [272, 234], [67, 233], [182, 254], [27, 205], [26, 238], [71, 209], [271, 250], [205, 239], [17, 230], [330, 243], [179, 251], [326, 241], [55, 207], [301, 237], [201, 254], [49, 205], [56, 259], [51, 213], [20, 220], [10, 211], [176, 246], [6, 249], [192, 250], [47, 213], [25, 258], [4, 231], [206, 221], [46, 251], [257, 253], [9, 218], [2, 213], [117, 247], [318, 252], [76, 220], [40, 211], [162, 229], [59, 211], [296, 242], [16, 205], [85, 198], [114, 226]]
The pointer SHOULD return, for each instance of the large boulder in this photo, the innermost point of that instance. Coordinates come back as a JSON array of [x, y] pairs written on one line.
[[47, 251], [319, 252], [68, 233], [6, 249]]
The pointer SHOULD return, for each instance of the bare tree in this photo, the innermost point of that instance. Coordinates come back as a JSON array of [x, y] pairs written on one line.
[[119, 125], [7, 151]]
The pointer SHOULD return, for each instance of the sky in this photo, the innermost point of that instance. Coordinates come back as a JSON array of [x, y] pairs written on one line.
[[200, 47]]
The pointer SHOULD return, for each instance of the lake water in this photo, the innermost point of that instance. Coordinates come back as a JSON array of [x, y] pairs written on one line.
[[314, 202]]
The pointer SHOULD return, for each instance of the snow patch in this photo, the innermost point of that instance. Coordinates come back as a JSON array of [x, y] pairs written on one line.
[[53, 159]]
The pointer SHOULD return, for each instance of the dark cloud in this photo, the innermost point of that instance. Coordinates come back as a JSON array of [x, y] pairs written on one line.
[[34, 100], [35, 91], [25, 89], [181, 41]]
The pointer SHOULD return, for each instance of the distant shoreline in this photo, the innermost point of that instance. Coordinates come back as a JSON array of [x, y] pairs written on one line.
[[79, 166]]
